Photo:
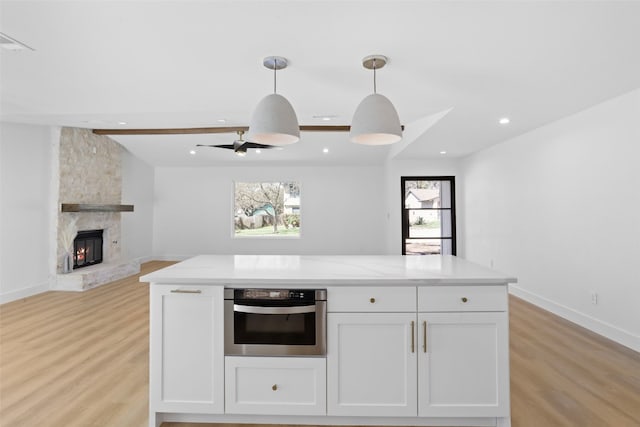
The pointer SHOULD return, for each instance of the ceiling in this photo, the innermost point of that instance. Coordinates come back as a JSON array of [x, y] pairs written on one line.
[[454, 69]]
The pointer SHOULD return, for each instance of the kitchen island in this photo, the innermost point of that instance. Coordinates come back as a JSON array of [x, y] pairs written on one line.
[[410, 340]]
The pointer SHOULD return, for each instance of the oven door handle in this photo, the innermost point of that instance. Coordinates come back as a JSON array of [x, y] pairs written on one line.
[[274, 310]]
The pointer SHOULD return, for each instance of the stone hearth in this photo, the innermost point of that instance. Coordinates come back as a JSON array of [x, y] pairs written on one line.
[[95, 275]]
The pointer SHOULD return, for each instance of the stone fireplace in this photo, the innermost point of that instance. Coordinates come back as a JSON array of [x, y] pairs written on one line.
[[89, 175]]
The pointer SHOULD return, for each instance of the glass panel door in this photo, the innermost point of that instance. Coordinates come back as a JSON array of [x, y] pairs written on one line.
[[428, 215]]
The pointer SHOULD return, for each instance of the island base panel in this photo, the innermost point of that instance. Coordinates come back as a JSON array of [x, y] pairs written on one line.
[[329, 420]]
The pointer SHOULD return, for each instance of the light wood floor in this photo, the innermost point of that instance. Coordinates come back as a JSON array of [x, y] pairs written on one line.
[[81, 359]]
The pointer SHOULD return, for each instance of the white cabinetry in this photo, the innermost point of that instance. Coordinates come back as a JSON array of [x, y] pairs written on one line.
[[371, 357], [449, 360], [276, 385], [463, 364], [186, 349]]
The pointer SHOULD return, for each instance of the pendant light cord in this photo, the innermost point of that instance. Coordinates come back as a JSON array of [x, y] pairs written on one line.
[[374, 76], [275, 69]]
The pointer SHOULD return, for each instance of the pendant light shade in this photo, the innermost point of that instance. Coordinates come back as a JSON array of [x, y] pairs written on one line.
[[376, 120], [274, 122]]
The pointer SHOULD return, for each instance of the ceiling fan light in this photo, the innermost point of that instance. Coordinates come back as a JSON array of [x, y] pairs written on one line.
[[274, 122], [375, 122]]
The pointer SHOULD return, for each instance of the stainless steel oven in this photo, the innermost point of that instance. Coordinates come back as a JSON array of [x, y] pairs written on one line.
[[270, 322]]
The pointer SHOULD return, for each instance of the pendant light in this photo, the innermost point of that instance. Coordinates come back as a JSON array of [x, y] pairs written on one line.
[[376, 120], [274, 122]]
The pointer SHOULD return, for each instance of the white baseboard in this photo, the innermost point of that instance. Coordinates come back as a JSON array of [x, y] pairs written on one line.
[[176, 258], [607, 330], [144, 259], [169, 257], [24, 292]]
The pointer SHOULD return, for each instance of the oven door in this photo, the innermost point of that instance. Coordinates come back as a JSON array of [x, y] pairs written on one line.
[[262, 329]]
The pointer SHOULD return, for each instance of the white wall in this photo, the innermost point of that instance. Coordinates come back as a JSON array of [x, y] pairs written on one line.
[[137, 190], [395, 169], [342, 211], [25, 215], [559, 208]]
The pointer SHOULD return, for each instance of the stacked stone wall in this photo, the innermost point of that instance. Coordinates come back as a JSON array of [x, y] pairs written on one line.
[[90, 172]]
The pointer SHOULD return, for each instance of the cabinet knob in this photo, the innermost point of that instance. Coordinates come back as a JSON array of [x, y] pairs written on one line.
[[464, 299], [372, 300], [274, 387]]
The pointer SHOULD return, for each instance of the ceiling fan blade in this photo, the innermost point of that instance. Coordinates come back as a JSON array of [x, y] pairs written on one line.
[[249, 144], [227, 146]]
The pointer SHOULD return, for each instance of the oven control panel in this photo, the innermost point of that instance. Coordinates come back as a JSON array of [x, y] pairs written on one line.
[[277, 294]]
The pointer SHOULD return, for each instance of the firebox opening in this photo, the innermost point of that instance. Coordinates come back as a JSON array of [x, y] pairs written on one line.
[[87, 248]]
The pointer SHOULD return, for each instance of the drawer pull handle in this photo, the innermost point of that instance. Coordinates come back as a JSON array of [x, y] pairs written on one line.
[[464, 299], [372, 300], [274, 387], [424, 336], [186, 291], [413, 336]]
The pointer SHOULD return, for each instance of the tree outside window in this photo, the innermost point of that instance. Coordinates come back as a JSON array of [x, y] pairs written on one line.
[[267, 209]]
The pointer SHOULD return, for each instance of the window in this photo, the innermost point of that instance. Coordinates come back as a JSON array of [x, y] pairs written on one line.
[[266, 209], [428, 215]]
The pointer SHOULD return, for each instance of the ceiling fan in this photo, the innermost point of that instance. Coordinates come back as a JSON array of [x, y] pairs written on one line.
[[240, 146]]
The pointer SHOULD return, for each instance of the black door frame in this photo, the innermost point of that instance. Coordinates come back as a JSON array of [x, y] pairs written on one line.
[[404, 211]]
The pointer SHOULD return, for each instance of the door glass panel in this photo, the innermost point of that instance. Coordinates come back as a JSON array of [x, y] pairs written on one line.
[[427, 194], [426, 223], [423, 246]]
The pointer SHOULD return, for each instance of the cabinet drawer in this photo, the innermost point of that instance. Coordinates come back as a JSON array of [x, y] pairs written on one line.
[[371, 299], [462, 298], [276, 385]]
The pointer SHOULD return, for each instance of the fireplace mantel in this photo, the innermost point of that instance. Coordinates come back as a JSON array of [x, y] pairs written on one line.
[[89, 207]]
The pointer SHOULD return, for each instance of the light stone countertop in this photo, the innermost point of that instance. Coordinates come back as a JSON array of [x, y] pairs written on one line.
[[303, 271]]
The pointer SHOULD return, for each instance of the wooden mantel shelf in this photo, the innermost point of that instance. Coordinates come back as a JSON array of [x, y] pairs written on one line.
[[90, 207]]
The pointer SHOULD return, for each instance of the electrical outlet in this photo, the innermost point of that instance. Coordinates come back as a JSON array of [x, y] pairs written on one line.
[[594, 297]]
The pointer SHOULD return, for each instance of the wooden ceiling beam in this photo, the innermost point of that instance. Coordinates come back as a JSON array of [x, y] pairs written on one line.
[[219, 129]]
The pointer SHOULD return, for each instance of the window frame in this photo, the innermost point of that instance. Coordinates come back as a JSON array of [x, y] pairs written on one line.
[[404, 212], [236, 236]]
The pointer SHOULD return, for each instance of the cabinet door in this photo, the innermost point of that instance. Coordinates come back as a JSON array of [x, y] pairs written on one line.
[[464, 368], [371, 364], [186, 349]]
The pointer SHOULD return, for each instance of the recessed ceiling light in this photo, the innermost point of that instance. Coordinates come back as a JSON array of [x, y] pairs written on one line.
[[222, 120], [258, 151], [443, 152], [504, 121], [325, 150], [122, 123], [192, 152], [325, 117]]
